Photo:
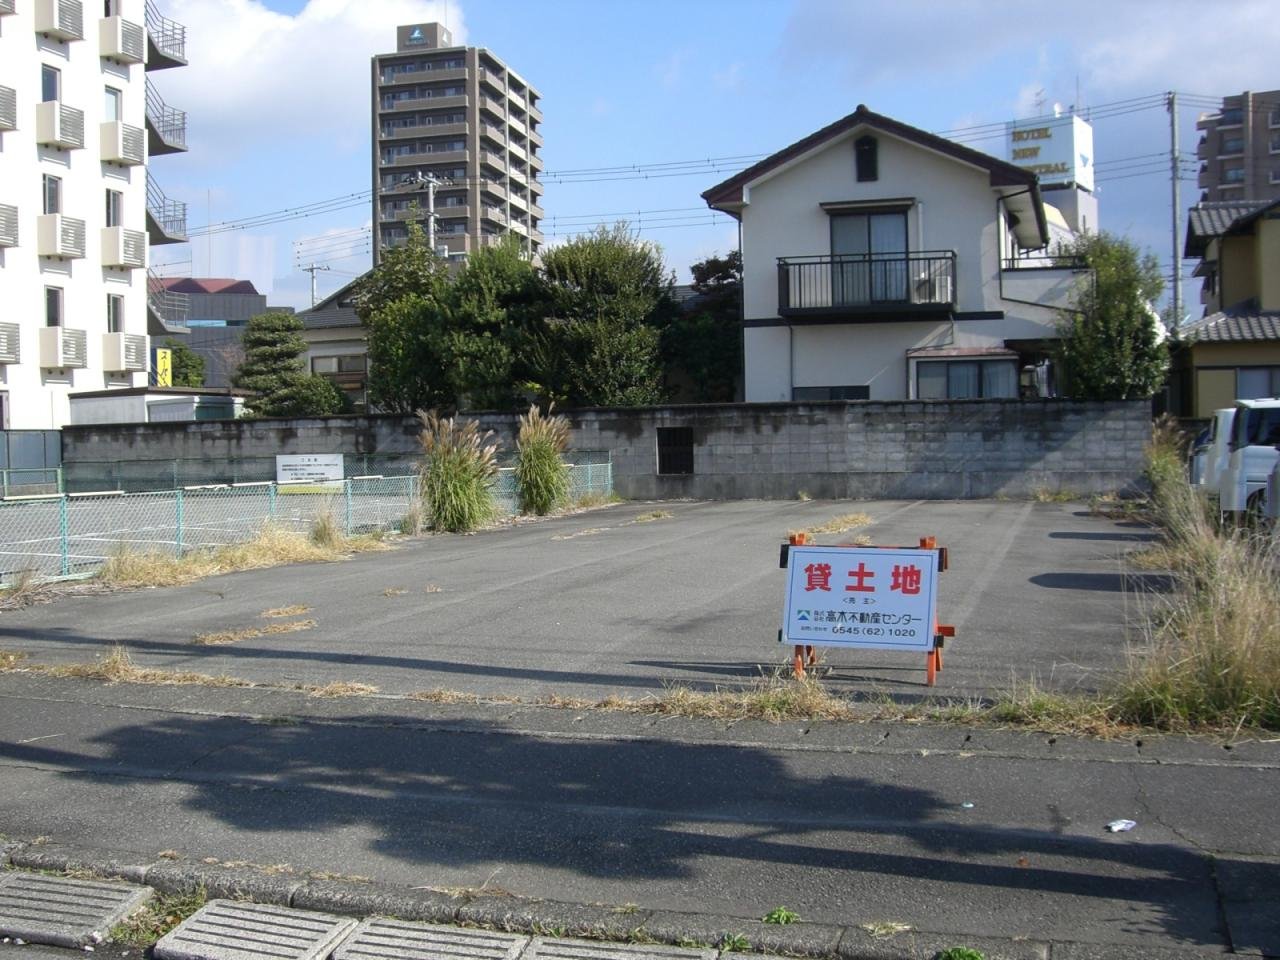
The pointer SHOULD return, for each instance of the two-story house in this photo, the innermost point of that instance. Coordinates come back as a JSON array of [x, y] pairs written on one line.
[[1233, 351], [883, 262]]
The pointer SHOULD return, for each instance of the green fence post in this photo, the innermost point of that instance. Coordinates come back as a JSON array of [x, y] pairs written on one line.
[[347, 488], [64, 523], [178, 512]]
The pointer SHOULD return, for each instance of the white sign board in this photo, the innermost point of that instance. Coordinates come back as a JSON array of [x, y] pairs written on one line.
[[859, 597], [1057, 149], [309, 467]]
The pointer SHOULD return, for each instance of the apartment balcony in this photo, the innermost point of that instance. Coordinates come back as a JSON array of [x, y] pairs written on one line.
[[122, 144], [166, 40], [121, 40], [495, 214], [424, 130], [535, 162], [861, 288], [10, 343], [166, 219], [124, 248], [517, 125], [419, 159], [166, 126], [494, 132], [61, 19], [496, 188], [167, 311], [536, 211], [63, 347], [518, 152], [60, 126], [423, 76], [8, 108], [495, 160], [453, 211], [494, 81], [493, 105], [124, 352], [535, 137], [59, 236], [534, 112], [422, 103], [8, 225], [1047, 281], [519, 202]]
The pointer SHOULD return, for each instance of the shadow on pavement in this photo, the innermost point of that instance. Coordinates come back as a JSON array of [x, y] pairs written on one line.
[[1118, 535], [1109, 582], [480, 794]]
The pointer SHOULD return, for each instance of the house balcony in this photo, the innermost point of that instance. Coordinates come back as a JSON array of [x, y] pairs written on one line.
[[167, 311], [166, 126], [124, 248], [166, 219], [121, 40], [63, 348], [1046, 281], [166, 40], [61, 19], [10, 343], [60, 126], [8, 225], [860, 288], [59, 236], [122, 144], [124, 352], [8, 108]]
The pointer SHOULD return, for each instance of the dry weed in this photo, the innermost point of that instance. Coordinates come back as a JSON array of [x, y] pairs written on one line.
[[118, 667], [277, 613], [225, 637], [9, 659], [339, 688], [841, 524]]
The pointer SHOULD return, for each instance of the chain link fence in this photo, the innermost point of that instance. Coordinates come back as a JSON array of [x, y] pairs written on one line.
[[74, 534]]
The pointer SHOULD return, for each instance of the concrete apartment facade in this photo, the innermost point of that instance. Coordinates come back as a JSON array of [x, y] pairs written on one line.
[[1239, 149], [79, 119], [463, 117], [881, 262]]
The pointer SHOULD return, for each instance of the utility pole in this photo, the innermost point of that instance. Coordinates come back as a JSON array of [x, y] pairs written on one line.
[[431, 182], [313, 270], [1177, 211]]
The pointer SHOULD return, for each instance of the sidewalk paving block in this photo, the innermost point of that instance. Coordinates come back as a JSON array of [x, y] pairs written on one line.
[[549, 948], [227, 930], [380, 939], [64, 912]]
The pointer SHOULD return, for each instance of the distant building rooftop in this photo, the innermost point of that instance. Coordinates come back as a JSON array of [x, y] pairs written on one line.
[[206, 285]]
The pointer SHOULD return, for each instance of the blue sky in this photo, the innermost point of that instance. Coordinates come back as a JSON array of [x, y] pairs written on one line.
[[278, 97]]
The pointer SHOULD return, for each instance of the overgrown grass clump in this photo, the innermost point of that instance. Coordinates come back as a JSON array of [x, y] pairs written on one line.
[[542, 476], [157, 917], [1210, 656], [458, 470], [272, 546]]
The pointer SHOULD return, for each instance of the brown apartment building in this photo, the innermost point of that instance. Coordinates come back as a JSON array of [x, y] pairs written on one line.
[[1239, 149], [455, 130]]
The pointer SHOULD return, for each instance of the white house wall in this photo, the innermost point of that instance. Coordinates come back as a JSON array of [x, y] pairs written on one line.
[[36, 398], [954, 208]]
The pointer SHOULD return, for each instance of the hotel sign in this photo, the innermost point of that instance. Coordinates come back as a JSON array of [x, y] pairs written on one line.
[[1057, 149]]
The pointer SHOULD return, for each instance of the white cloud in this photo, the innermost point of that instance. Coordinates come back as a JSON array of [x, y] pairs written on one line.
[[729, 79], [670, 69], [261, 80]]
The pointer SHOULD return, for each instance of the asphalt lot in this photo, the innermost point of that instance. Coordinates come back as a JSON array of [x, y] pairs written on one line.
[[611, 602]]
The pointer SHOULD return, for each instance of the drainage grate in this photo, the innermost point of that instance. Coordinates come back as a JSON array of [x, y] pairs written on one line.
[[225, 930], [545, 948], [379, 939], [61, 911]]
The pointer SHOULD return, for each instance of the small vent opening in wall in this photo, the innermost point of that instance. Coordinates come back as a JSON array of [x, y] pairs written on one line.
[[675, 450]]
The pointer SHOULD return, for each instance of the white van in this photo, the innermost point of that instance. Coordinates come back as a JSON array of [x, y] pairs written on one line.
[[1273, 495], [1255, 433], [1211, 450]]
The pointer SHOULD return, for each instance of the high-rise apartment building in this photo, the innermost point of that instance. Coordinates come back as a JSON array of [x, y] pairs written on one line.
[[1239, 149], [455, 134], [79, 119]]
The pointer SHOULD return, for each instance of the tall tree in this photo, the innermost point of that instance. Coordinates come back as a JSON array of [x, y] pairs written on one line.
[[606, 295], [274, 371], [1110, 347], [702, 345], [187, 365]]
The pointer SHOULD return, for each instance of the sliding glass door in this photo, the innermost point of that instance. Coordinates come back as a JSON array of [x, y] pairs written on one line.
[[869, 258]]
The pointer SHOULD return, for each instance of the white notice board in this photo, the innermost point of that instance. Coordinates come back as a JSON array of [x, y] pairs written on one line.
[[309, 467], [860, 597]]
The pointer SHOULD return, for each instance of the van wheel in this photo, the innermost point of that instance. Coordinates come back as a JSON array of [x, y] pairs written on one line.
[[1255, 511]]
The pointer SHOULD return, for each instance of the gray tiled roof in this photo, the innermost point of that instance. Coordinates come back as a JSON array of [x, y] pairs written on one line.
[[1235, 326], [1214, 218]]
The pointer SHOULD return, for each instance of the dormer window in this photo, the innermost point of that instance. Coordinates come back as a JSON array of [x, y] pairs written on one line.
[[864, 155]]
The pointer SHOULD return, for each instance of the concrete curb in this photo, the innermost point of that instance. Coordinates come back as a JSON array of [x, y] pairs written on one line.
[[545, 917]]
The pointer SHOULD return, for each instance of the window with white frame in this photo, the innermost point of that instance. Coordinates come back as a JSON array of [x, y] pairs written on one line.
[[110, 104], [115, 313], [966, 379]]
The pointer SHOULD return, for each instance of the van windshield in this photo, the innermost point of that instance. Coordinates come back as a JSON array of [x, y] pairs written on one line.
[[1263, 427]]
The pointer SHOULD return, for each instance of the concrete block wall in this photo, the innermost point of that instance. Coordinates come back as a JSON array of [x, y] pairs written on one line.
[[900, 450]]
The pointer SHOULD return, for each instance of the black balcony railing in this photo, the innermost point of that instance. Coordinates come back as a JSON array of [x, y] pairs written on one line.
[[864, 283]]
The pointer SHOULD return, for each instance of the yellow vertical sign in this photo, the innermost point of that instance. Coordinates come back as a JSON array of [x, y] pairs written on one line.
[[164, 368]]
